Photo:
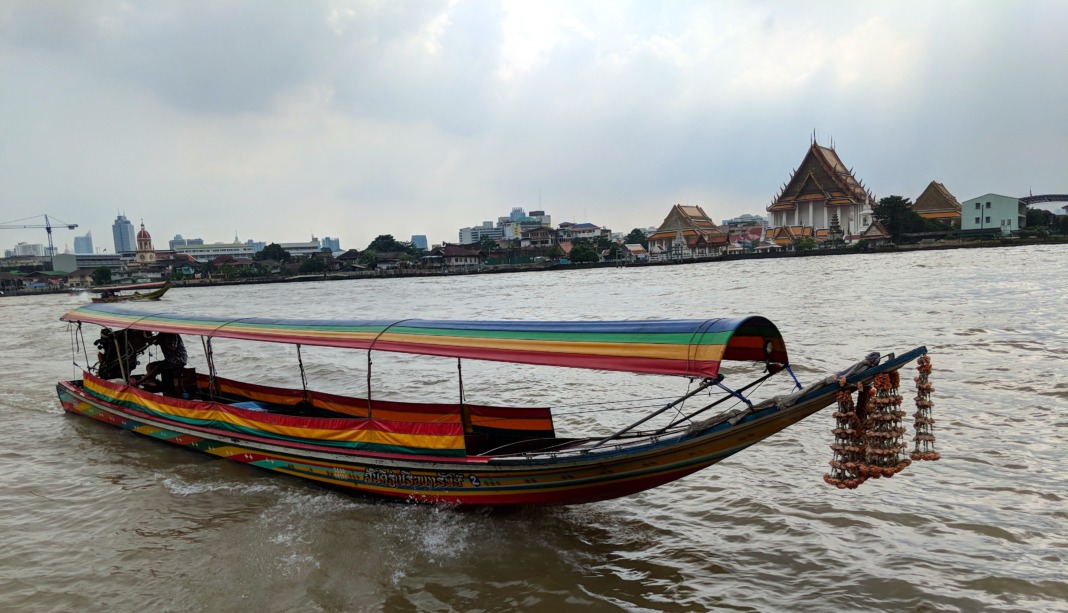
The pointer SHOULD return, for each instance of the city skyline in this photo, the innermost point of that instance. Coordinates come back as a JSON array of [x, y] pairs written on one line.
[[359, 119]]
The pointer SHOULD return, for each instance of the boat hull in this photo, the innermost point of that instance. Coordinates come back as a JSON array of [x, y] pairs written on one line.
[[616, 469], [153, 295]]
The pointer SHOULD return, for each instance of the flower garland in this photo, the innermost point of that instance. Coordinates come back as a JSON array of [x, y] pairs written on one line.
[[884, 429], [849, 448], [924, 439]]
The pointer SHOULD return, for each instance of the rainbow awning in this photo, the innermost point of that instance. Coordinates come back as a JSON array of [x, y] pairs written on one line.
[[688, 347]]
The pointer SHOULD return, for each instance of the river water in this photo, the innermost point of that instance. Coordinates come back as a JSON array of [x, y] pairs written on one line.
[[92, 518]]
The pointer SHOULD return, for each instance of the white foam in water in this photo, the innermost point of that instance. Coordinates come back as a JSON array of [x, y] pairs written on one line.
[[180, 487]]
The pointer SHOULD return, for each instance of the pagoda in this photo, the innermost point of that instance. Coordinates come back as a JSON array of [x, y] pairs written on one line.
[[821, 187]]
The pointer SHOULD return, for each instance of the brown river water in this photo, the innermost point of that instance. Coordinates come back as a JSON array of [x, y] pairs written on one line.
[[93, 518]]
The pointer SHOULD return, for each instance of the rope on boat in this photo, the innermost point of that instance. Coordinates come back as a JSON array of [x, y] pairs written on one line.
[[924, 439], [77, 339], [868, 436]]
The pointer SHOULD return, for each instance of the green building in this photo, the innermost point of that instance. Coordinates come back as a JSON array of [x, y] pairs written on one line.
[[992, 212]]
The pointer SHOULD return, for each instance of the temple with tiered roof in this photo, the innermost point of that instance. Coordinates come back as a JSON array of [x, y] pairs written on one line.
[[819, 188]]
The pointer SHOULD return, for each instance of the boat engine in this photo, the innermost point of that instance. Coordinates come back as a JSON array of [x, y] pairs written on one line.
[[117, 352]]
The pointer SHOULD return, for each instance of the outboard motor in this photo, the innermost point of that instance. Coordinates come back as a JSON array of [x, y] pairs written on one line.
[[117, 352]]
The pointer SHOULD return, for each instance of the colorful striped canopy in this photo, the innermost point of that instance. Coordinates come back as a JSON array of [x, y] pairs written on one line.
[[688, 347]]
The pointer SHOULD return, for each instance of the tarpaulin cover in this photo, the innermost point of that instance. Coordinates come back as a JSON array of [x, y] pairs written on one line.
[[689, 347]]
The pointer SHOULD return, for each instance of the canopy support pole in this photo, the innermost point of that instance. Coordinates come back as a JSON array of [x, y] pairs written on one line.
[[791, 371], [119, 355], [465, 413], [369, 414], [209, 357], [717, 402], [705, 384], [303, 376]]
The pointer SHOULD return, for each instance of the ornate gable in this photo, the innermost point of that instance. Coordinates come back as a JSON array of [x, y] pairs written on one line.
[[822, 178], [692, 225], [937, 203]]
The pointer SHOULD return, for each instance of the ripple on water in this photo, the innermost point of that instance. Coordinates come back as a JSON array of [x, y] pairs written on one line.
[[91, 517]]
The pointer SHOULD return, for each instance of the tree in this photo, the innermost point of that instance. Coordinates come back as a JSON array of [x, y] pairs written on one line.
[[274, 252], [554, 252], [312, 265], [804, 244], [368, 257], [488, 245], [101, 275], [1039, 218], [897, 216], [636, 237], [582, 254], [385, 243]]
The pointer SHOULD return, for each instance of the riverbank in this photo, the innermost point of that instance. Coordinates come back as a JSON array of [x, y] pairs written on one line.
[[518, 268]]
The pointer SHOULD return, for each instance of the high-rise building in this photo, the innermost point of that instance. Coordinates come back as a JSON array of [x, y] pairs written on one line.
[[419, 241], [83, 245], [123, 233], [178, 241], [333, 244], [30, 249]]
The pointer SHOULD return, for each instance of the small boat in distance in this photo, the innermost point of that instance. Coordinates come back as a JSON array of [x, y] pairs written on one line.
[[475, 454], [139, 291]]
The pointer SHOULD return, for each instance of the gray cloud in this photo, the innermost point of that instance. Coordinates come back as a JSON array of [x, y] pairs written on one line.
[[359, 118]]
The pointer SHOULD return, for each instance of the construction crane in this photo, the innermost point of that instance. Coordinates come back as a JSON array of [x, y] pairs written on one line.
[[47, 225]]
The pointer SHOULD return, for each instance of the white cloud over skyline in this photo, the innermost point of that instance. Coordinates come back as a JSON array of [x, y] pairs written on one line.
[[276, 121]]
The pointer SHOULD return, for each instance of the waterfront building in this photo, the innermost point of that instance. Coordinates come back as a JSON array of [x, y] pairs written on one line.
[[84, 244], [745, 231], [820, 187], [122, 231], [208, 252], [419, 242], [876, 234], [178, 241], [301, 249], [91, 261], [455, 257], [539, 237], [477, 233], [510, 227], [991, 213], [937, 203], [687, 232], [785, 237]]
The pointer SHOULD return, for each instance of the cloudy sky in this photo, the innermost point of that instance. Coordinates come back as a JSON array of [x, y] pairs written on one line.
[[280, 120]]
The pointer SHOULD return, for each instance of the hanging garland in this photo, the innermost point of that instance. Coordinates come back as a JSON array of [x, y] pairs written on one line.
[[924, 439], [868, 435], [848, 442], [884, 429]]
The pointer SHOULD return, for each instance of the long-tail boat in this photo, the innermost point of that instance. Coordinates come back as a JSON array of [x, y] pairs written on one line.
[[152, 291], [456, 452]]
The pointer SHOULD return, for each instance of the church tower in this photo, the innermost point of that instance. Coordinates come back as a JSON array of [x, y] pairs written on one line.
[[146, 254]]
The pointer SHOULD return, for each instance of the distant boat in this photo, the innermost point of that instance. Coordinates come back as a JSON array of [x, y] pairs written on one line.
[[456, 452], [152, 291]]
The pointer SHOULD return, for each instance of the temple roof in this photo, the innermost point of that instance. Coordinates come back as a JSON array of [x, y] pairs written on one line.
[[936, 202], [694, 224], [824, 179]]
